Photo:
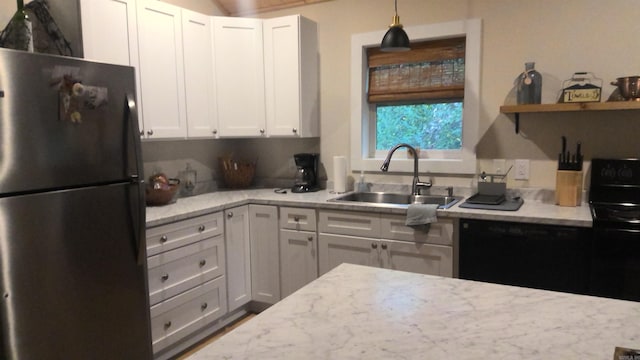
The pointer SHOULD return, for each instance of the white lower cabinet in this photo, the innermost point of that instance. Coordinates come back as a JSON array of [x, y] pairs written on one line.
[[238, 247], [298, 249], [178, 317], [265, 253], [187, 281], [337, 249], [178, 270], [372, 239]]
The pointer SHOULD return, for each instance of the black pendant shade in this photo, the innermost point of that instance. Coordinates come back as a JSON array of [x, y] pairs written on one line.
[[396, 38]]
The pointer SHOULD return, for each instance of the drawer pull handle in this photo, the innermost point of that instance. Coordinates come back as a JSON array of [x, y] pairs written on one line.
[[374, 245], [201, 228], [310, 238], [204, 306], [230, 214], [384, 246], [163, 238], [167, 325], [296, 219], [164, 277], [203, 262]]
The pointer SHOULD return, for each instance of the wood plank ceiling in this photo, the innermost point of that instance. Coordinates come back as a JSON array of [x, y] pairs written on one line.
[[250, 7]]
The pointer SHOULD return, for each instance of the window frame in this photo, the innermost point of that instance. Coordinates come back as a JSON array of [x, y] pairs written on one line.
[[362, 113]]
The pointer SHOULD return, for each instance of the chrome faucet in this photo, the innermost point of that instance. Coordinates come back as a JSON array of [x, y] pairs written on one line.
[[416, 184]]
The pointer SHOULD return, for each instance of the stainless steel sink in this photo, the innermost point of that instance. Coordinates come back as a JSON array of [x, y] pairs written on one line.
[[399, 200]]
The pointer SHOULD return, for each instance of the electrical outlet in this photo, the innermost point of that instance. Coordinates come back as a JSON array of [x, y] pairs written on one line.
[[499, 166], [522, 170]]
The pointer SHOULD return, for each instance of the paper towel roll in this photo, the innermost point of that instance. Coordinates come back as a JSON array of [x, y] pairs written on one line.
[[339, 174]]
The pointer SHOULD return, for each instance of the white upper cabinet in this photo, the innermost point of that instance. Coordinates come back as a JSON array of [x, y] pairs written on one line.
[[162, 70], [239, 74], [109, 31], [198, 75], [291, 76], [110, 34]]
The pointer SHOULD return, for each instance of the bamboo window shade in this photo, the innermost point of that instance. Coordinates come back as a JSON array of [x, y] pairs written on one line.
[[431, 70]]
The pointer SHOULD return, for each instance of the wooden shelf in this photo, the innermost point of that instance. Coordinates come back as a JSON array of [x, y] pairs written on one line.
[[563, 107]]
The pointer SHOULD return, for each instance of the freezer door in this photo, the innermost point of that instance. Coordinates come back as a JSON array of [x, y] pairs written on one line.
[[64, 122], [73, 282]]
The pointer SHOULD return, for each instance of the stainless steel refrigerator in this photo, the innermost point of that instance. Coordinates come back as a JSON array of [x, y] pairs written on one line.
[[72, 252]]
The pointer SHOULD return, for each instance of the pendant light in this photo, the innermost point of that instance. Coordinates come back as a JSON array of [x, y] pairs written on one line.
[[395, 39]]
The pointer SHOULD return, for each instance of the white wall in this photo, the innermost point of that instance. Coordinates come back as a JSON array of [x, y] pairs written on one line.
[[562, 37]]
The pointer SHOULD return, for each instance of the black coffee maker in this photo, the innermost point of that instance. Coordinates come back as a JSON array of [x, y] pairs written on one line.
[[307, 173]]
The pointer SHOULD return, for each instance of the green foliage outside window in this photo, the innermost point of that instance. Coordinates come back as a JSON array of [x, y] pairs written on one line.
[[428, 126]]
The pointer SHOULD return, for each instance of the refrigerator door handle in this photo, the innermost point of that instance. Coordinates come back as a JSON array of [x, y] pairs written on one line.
[[138, 210]]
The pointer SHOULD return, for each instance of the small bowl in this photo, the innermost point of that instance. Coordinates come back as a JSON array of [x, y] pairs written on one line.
[[629, 87]]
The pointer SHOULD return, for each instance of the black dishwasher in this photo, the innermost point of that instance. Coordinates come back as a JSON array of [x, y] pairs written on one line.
[[539, 256]]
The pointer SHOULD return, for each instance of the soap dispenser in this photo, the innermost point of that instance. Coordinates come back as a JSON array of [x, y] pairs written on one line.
[[362, 186]]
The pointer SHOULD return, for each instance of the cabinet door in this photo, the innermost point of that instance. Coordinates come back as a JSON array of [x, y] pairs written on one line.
[[265, 255], [238, 256], [161, 70], [298, 260], [110, 34], [239, 73], [198, 74], [291, 76], [417, 257], [334, 250]]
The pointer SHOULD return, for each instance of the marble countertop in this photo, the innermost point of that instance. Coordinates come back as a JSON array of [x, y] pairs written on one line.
[[532, 211], [358, 312]]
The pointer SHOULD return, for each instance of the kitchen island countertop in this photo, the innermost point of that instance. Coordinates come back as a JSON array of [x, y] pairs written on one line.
[[532, 211], [358, 312]]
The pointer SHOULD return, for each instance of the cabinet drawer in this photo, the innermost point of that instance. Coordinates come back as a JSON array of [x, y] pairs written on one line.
[[167, 237], [175, 271], [393, 227], [179, 316], [298, 219], [418, 258], [349, 223]]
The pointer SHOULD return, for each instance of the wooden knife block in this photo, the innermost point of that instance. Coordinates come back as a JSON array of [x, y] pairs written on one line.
[[568, 188]]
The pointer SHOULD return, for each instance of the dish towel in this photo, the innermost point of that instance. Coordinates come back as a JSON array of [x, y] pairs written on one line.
[[421, 214]]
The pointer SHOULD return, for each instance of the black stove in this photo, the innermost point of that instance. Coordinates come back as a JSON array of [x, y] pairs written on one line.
[[614, 199]]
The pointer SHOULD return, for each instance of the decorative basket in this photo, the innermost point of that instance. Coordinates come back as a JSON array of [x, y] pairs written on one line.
[[237, 174], [162, 196]]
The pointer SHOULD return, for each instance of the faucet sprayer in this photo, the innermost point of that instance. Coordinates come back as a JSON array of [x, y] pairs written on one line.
[[416, 183]]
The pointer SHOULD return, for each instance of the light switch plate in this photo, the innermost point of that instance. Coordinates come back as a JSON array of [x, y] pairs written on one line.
[[522, 170]]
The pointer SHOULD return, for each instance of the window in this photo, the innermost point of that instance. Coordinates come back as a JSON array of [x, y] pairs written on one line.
[[428, 126], [427, 97], [418, 95]]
